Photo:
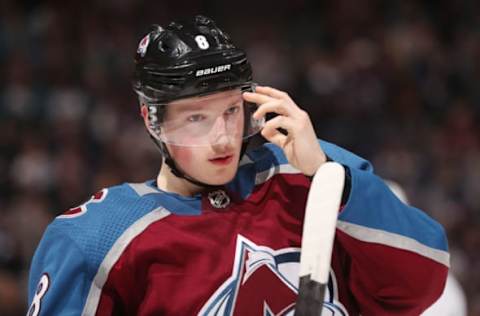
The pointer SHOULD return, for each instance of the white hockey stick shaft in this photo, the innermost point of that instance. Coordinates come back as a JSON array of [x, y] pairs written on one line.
[[319, 225]]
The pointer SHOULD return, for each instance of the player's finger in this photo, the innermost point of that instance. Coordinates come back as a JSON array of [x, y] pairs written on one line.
[[256, 97], [283, 122], [274, 136], [278, 94], [275, 106], [272, 92]]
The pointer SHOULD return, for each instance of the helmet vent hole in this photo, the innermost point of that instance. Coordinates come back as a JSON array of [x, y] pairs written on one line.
[[163, 46]]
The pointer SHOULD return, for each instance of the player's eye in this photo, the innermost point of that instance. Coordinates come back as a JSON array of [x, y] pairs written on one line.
[[232, 110], [195, 118]]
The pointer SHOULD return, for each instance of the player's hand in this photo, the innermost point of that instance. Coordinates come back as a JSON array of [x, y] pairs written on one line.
[[300, 146]]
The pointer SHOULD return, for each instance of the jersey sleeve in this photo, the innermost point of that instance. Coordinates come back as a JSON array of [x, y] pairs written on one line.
[[398, 256], [345, 157], [59, 278]]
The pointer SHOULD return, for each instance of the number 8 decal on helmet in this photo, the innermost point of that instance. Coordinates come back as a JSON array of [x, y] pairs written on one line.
[[202, 42]]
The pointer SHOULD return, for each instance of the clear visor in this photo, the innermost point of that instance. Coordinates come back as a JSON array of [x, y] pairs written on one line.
[[205, 120]]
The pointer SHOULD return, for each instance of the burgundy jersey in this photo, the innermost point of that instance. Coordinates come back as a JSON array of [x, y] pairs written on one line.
[[134, 249]]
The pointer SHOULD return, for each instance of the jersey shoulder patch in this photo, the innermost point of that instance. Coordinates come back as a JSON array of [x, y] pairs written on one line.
[[82, 209], [103, 202]]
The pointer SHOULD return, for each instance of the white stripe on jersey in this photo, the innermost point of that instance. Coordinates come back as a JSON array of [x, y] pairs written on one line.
[[263, 176], [383, 237], [142, 189]]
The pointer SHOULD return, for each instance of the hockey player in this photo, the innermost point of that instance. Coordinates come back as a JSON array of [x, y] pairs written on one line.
[[218, 232]]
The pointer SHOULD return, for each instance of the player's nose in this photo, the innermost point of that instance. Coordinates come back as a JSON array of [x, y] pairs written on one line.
[[220, 138], [218, 130]]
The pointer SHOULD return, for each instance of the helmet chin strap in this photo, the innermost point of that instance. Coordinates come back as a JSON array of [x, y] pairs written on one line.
[[179, 173]]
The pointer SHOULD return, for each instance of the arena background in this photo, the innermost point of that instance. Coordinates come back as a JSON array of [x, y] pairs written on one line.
[[394, 81]]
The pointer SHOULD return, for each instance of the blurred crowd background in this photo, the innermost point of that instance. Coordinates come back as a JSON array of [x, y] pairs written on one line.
[[394, 81]]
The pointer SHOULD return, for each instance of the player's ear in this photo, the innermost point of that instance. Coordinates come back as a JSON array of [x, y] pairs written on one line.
[[144, 113]]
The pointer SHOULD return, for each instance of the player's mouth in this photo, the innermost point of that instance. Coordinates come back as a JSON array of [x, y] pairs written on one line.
[[222, 160]]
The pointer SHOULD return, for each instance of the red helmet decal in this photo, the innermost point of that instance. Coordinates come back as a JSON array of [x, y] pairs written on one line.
[[142, 46]]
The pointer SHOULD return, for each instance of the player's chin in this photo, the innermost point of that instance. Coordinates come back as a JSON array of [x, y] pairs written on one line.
[[222, 176]]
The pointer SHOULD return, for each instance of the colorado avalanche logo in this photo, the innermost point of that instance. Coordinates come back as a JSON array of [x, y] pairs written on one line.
[[264, 282], [143, 45]]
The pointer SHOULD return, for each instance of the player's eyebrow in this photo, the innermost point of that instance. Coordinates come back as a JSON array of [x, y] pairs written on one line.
[[186, 108], [199, 105]]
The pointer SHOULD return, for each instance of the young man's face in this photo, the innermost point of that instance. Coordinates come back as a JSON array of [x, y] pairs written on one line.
[[204, 135]]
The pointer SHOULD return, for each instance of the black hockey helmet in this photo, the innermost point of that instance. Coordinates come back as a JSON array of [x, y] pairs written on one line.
[[188, 59]]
